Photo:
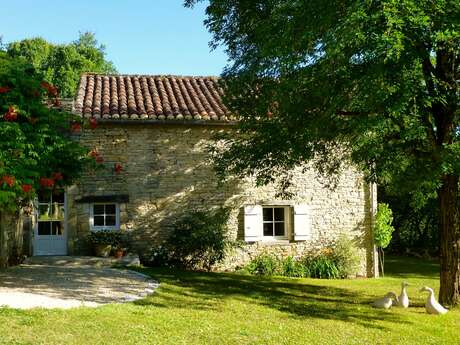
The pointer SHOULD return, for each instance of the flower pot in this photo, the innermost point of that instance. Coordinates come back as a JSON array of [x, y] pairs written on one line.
[[102, 250], [118, 253]]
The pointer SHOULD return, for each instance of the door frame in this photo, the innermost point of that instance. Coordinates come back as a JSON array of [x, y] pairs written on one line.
[[35, 235]]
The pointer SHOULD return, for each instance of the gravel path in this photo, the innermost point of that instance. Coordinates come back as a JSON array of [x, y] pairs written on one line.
[[68, 286]]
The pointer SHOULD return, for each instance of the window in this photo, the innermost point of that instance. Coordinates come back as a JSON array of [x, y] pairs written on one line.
[[275, 222], [105, 216], [50, 211]]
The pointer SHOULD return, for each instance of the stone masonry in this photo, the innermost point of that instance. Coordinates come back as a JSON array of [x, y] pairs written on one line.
[[166, 173]]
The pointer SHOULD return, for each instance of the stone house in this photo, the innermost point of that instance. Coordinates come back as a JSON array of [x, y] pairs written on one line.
[[152, 133]]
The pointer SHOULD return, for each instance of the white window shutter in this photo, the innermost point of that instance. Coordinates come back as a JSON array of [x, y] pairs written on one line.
[[253, 223], [302, 222]]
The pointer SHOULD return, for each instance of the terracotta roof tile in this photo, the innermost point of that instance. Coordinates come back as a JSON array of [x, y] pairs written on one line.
[[152, 97]]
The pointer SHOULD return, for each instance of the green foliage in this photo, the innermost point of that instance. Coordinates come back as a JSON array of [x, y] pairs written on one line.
[[373, 83], [36, 149], [63, 64], [322, 266], [416, 228], [199, 240], [114, 238], [357, 75], [383, 228], [159, 256], [346, 257], [264, 264], [293, 268], [342, 261]]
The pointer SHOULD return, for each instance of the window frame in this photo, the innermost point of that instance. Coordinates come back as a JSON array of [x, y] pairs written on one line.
[[104, 227], [286, 222]]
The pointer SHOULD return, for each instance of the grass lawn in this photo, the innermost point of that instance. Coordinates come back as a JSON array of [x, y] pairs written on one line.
[[218, 308]]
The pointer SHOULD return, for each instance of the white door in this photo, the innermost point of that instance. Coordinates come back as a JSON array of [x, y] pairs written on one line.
[[50, 233]]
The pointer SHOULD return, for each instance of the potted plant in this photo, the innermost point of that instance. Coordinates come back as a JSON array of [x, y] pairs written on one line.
[[103, 241], [118, 252]]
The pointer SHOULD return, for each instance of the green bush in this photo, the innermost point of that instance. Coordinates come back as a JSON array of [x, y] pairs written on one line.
[[264, 264], [322, 266], [346, 257], [293, 268], [199, 239], [383, 231], [340, 261], [159, 256], [105, 237]]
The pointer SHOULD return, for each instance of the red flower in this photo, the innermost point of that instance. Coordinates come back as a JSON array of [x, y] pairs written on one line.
[[99, 159], [118, 168], [26, 188], [92, 123], [50, 89], [11, 114], [75, 127], [94, 153], [4, 89], [46, 182], [57, 176], [57, 102], [9, 180]]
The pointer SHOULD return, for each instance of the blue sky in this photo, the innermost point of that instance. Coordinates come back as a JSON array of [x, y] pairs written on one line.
[[141, 36]]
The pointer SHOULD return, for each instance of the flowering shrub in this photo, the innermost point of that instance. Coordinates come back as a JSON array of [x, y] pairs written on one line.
[[340, 261], [36, 151], [105, 237]]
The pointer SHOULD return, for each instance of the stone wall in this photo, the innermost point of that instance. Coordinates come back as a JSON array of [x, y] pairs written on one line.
[[166, 173]]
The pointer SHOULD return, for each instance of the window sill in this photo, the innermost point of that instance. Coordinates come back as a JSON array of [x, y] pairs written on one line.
[[104, 229], [275, 242]]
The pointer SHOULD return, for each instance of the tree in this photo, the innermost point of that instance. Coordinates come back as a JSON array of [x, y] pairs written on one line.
[[383, 231], [62, 64], [374, 83], [36, 148]]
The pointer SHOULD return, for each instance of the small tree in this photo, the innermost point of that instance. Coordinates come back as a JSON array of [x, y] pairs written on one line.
[[383, 231]]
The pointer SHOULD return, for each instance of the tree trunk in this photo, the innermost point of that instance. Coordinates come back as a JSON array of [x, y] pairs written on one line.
[[450, 240]]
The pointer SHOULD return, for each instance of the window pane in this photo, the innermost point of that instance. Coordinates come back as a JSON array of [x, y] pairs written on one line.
[[44, 211], [110, 209], [58, 197], [279, 229], [57, 228], [268, 214], [268, 229], [98, 209], [42, 197], [57, 211], [99, 221], [279, 213], [110, 220], [44, 228]]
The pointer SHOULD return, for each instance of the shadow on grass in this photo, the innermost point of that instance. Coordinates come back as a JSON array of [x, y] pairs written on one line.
[[207, 291], [409, 267]]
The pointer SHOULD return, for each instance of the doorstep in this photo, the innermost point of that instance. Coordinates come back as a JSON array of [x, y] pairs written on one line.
[[83, 261]]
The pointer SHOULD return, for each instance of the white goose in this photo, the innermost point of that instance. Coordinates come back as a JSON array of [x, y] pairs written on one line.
[[385, 302], [432, 306], [403, 299]]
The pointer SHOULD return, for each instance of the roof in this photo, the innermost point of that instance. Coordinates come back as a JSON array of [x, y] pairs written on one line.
[[156, 97]]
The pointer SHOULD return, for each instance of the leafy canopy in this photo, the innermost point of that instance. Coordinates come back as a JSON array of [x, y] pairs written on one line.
[[36, 150], [63, 64], [378, 79]]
